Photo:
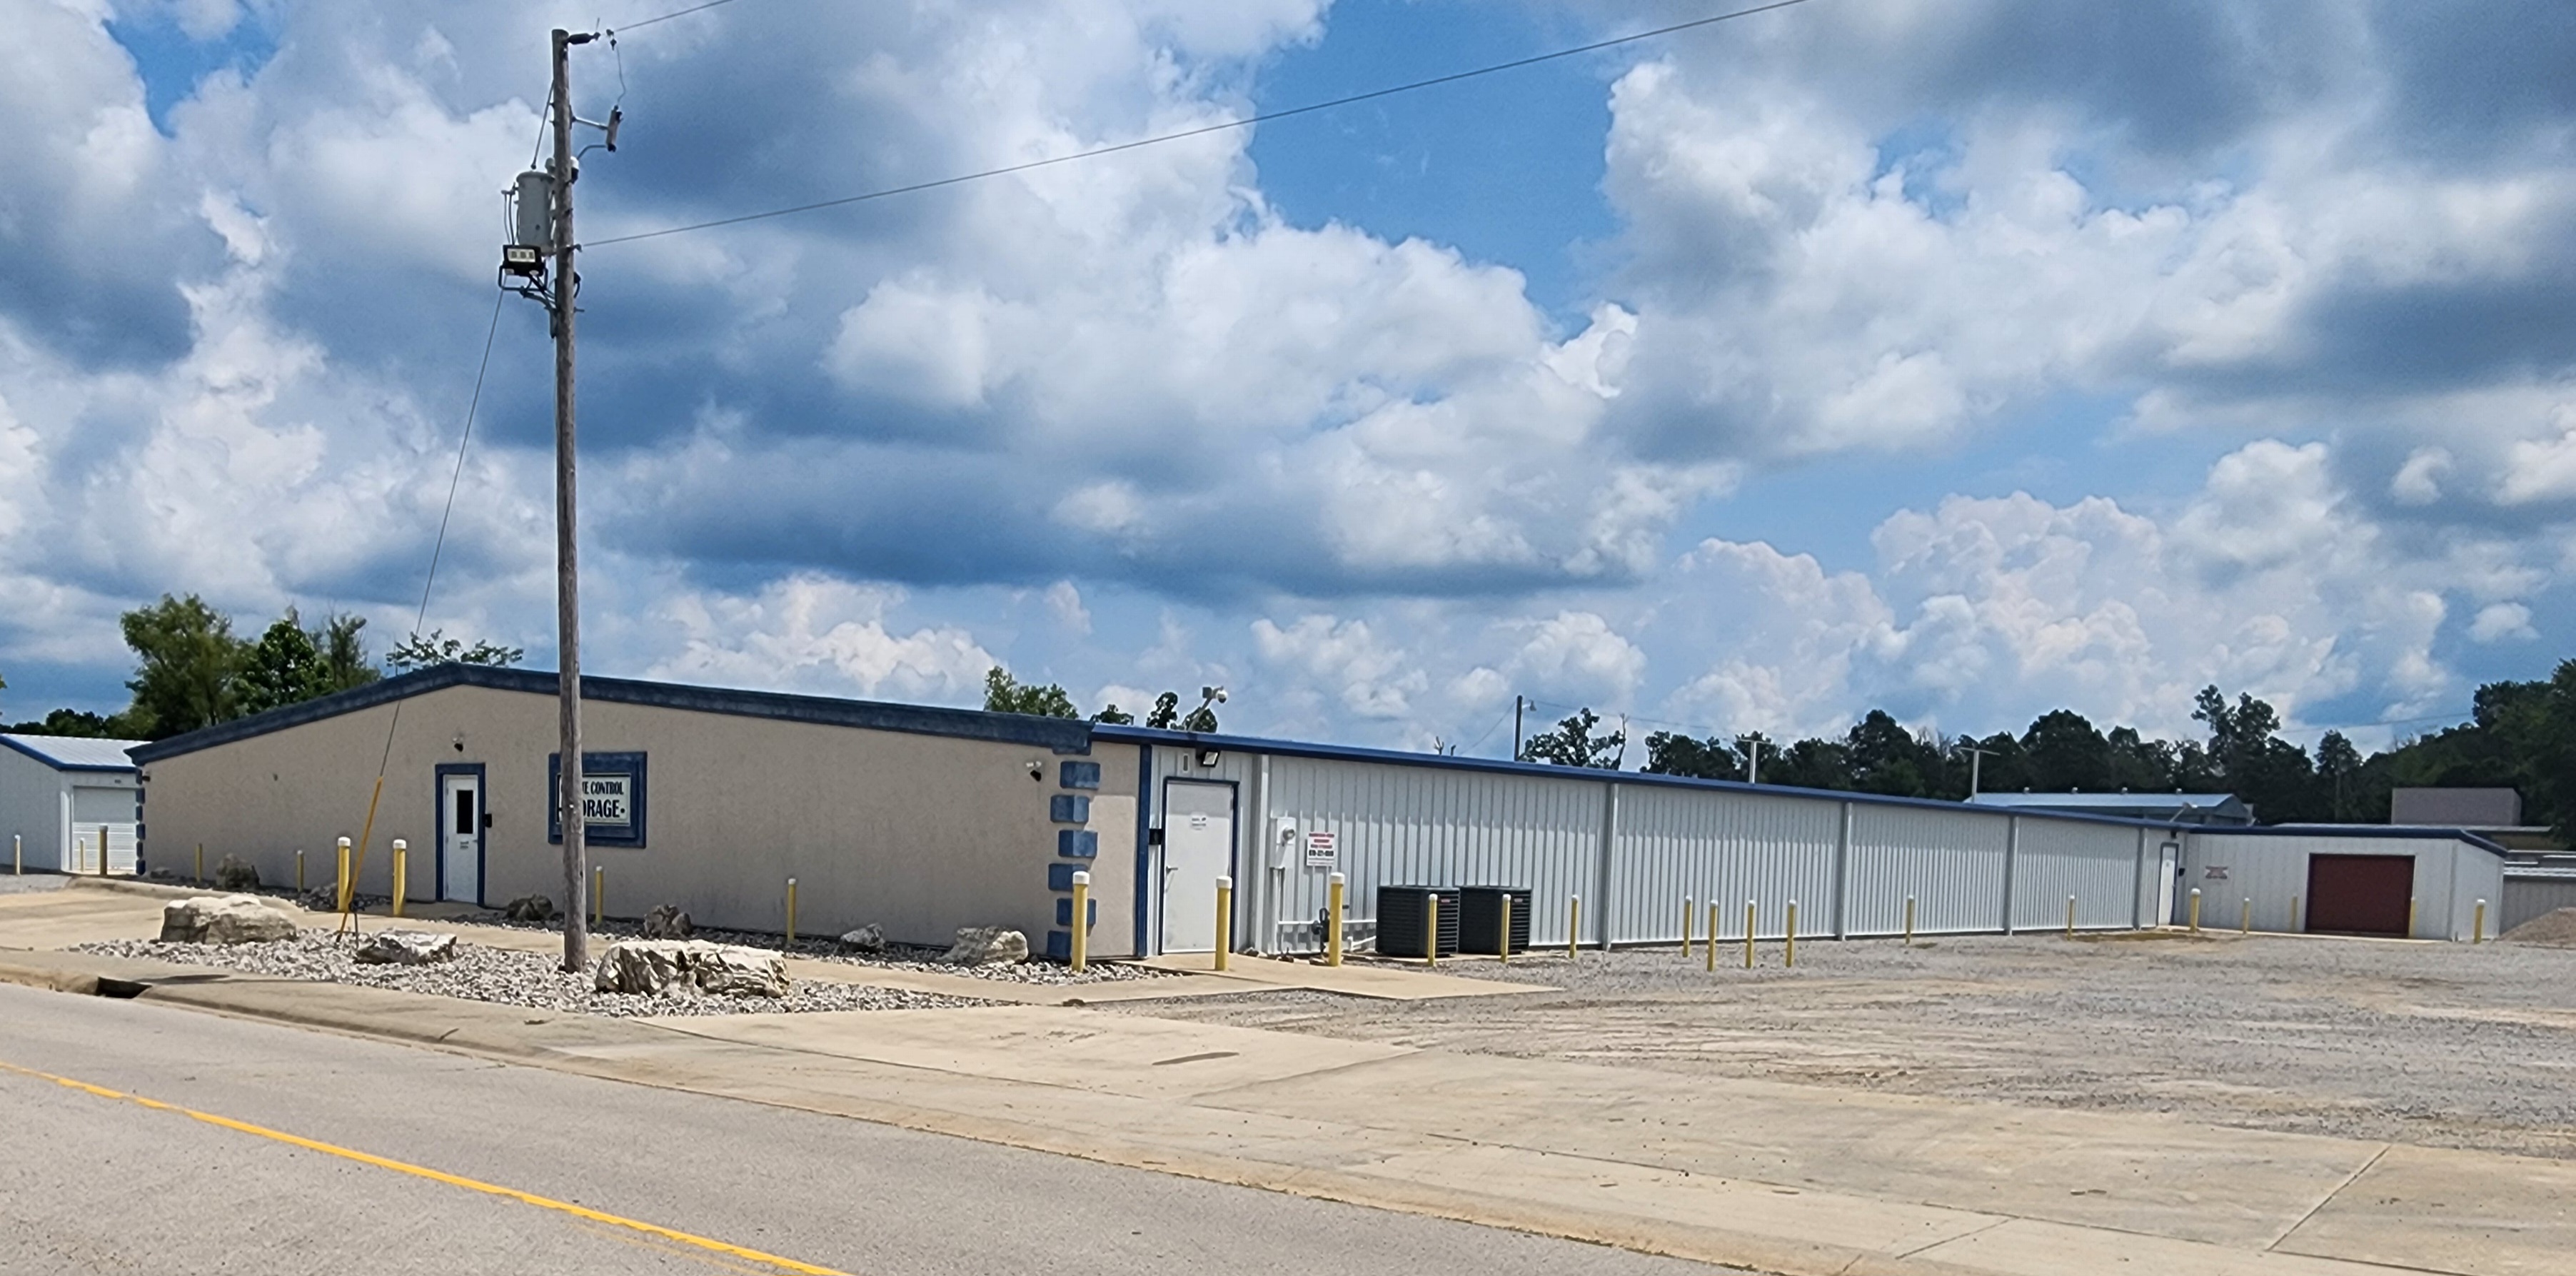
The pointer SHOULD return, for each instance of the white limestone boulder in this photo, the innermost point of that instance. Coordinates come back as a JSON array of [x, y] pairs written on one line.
[[987, 946], [227, 919], [407, 948]]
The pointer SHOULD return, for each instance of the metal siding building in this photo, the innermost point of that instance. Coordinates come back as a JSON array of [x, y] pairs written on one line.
[[57, 793], [2265, 873]]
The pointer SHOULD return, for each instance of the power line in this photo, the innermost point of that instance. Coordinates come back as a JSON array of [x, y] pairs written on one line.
[[676, 13], [1201, 131]]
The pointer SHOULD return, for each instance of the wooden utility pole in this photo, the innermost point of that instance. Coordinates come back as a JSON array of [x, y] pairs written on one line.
[[568, 796]]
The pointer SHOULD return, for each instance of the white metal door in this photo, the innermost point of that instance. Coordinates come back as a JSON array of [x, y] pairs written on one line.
[[1198, 848], [97, 809], [2165, 883], [460, 858]]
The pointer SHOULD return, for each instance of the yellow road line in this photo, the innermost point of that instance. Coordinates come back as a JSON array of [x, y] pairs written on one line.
[[438, 1176]]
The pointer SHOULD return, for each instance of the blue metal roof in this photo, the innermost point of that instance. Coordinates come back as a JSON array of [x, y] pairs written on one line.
[[1059, 735], [73, 753], [2369, 830], [2152, 801]]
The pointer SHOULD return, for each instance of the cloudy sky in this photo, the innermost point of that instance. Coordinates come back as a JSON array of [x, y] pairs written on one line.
[[1966, 358]]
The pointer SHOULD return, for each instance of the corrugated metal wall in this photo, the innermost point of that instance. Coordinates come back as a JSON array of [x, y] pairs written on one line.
[[2095, 864], [1850, 863], [1951, 863], [1719, 847], [1432, 826], [2527, 895]]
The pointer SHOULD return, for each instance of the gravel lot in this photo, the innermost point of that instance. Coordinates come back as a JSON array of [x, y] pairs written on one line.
[[510, 978], [2440, 1044], [896, 957]]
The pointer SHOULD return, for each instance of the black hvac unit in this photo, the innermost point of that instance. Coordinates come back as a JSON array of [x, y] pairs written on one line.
[[1480, 918], [1404, 923]]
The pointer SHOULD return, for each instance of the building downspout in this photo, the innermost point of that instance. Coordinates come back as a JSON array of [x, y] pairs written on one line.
[[1609, 847], [2012, 854], [1842, 873]]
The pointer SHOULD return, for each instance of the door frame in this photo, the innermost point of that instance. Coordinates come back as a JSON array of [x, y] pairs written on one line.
[[1163, 849], [482, 808]]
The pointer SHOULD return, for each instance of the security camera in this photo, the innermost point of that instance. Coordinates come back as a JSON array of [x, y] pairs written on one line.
[[1215, 695]]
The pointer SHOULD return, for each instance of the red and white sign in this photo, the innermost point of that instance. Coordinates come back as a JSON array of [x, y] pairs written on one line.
[[1323, 849]]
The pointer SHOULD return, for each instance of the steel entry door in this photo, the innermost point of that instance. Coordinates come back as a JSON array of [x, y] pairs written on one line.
[[2165, 880], [1198, 848], [460, 849], [2360, 894]]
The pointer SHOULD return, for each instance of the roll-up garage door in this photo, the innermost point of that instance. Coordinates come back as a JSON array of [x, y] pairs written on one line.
[[2360, 894], [95, 807]]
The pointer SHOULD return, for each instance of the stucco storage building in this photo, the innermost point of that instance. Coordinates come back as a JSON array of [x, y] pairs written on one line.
[[926, 819]]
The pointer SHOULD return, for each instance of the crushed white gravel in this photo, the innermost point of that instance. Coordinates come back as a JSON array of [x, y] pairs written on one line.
[[896, 956], [508, 978]]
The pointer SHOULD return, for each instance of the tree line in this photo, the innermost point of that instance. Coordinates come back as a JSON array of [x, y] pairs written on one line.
[[2521, 735], [1005, 694], [192, 670]]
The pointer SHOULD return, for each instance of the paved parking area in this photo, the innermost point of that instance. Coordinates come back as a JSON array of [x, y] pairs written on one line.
[[2441, 1045]]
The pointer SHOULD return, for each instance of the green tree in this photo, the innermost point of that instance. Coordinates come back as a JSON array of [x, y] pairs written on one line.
[[284, 667], [188, 663], [421, 652], [1881, 756], [1573, 743], [2066, 754], [1115, 716], [1003, 694], [344, 654], [2339, 774], [1709, 759]]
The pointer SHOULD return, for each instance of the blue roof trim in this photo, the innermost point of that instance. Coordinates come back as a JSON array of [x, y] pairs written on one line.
[[2435, 832], [1356, 753], [1060, 735], [58, 764]]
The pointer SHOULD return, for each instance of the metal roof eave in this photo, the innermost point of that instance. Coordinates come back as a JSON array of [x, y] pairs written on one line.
[[2394, 831], [1358, 753], [1057, 735], [95, 768]]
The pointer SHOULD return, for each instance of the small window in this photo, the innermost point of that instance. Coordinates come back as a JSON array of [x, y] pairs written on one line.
[[464, 822]]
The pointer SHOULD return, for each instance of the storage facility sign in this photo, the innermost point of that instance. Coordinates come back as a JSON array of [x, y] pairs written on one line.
[[612, 798], [1323, 849], [2215, 873]]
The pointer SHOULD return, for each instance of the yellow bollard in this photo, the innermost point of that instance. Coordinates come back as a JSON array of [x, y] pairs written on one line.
[[1504, 945], [791, 912], [2478, 929], [402, 873], [1909, 921], [299, 870], [1790, 950], [1335, 888], [102, 850], [1225, 919], [2245, 922], [17, 855], [2410, 917], [201, 863], [2294, 914], [1748, 934], [598, 894], [2195, 910], [1431, 947], [2070, 917], [1081, 921], [342, 886], [1573, 923], [80, 854], [1712, 938], [1687, 913]]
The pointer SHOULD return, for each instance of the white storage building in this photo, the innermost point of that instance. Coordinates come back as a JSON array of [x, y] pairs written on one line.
[[926, 819], [59, 795]]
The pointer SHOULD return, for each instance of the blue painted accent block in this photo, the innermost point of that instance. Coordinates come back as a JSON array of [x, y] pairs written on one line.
[[1064, 913], [1060, 875], [1079, 775], [1076, 844], [1059, 945], [1067, 808]]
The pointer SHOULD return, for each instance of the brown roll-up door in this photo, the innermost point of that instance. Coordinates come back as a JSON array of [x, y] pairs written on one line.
[[2360, 894]]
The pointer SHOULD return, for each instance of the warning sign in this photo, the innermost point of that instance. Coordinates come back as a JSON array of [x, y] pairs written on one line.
[[1323, 849], [2214, 873]]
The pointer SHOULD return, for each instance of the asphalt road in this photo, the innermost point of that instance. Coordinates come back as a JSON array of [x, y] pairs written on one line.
[[93, 1183]]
